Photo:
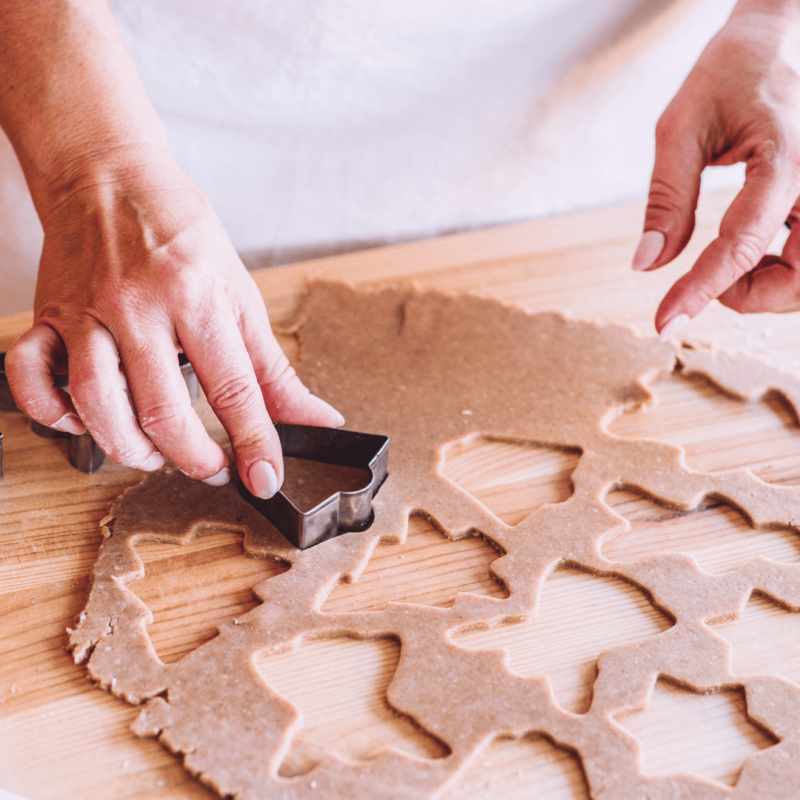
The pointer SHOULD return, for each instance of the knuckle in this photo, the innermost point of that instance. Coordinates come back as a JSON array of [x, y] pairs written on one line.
[[182, 282], [165, 420], [777, 155], [745, 252], [663, 196], [39, 344], [278, 384], [665, 127], [673, 124], [23, 350], [280, 374], [236, 394], [19, 355], [190, 280], [179, 286], [130, 313], [769, 157]]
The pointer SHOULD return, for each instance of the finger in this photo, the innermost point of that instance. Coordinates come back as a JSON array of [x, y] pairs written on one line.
[[213, 343], [749, 225], [774, 285], [285, 396], [30, 365], [771, 286], [674, 189], [99, 393], [164, 410]]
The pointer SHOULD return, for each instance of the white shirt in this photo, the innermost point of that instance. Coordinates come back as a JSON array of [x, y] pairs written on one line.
[[310, 123]]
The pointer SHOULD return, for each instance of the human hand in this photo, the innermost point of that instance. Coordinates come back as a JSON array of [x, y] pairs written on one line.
[[741, 102], [135, 268]]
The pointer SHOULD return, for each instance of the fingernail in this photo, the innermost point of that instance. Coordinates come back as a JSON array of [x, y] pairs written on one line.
[[649, 249], [154, 461], [70, 423], [263, 480], [220, 479], [339, 419], [673, 327]]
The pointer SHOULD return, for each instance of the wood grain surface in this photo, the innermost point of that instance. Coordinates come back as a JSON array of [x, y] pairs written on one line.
[[61, 737]]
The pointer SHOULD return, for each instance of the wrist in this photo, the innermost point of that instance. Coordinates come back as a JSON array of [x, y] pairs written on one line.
[[788, 10], [71, 100], [100, 172]]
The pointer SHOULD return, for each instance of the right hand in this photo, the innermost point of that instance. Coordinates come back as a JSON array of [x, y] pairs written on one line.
[[136, 267]]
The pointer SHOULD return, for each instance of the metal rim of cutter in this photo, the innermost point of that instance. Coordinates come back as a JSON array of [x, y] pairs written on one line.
[[342, 512]]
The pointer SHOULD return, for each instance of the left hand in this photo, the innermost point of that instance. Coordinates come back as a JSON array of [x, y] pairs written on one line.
[[741, 102]]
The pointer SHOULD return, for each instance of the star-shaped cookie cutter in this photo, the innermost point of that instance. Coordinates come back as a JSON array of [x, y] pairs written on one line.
[[342, 512]]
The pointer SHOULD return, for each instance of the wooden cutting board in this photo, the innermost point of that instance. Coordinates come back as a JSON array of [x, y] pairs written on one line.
[[61, 737]]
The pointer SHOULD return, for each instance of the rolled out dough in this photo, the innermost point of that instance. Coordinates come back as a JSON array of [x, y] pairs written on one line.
[[429, 369]]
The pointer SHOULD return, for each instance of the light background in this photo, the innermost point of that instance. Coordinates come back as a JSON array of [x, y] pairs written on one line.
[[317, 126]]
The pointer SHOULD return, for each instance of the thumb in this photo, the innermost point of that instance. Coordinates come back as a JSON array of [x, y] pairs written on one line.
[[774, 285], [674, 188]]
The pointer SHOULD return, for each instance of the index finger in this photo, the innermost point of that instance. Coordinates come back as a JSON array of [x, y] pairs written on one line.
[[748, 227], [214, 345]]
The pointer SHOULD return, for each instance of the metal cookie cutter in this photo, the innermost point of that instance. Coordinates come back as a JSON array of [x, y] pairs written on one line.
[[84, 453], [341, 512]]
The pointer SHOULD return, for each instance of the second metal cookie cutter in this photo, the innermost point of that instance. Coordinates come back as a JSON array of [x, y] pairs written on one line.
[[83, 452], [341, 512]]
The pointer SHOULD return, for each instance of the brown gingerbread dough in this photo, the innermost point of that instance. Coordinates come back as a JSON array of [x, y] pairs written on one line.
[[407, 363]]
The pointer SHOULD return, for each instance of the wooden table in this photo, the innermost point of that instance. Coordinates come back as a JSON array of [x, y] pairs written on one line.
[[61, 737]]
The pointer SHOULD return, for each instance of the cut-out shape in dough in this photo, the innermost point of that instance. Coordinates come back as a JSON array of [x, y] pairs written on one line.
[[194, 587], [347, 712], [765, 639], [512, 479], [580, 615], [716, 430], [716, 534], [441, 569], [709, 735], [528, 768], [308, 483], [524, 377]]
